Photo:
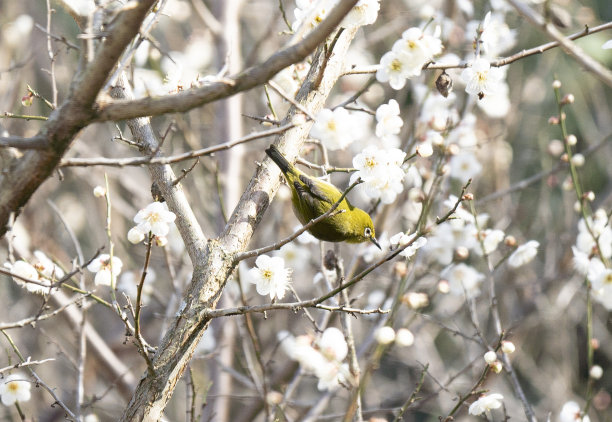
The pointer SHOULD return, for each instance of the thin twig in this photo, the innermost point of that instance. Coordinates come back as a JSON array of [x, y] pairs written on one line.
[[137, 161], [38, 380]]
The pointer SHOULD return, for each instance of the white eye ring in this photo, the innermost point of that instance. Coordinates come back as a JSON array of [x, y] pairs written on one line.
[[367, 232]]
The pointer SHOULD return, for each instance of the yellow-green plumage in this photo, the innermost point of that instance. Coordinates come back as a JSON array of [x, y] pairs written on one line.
[[312, 197]]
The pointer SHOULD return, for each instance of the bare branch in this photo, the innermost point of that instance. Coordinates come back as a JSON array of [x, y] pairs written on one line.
[[602, 73], [247, 79], [138, 161]]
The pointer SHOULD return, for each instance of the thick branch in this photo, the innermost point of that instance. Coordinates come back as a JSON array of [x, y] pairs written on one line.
[[25, 174], [247, 79], [216, 257]]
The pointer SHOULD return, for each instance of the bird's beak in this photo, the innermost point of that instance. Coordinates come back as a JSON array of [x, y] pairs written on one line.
[[373, 240]]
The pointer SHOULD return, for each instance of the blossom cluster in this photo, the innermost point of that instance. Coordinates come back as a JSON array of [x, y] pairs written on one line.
[[270, 276], [381, 171], [310, 13], [38, 276], [594, 243], [408, 56], [321, 357], [155, 218]]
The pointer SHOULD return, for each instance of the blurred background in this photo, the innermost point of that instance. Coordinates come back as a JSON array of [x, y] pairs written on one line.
[[542, 304]]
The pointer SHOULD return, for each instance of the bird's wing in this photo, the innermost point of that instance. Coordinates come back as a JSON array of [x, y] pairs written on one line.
[[313, 190]]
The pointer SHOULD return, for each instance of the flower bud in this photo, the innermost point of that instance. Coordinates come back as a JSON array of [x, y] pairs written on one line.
[[274, 398], [596, 372], [424, 150], [578, 160], [400, 268], [99, 191], [27, 100], [556, 84], [496, 367], [594, 343], [571, 140], [508, 347], [385, 335], [589, 196], [462, 253], [468, 197], [161, 241], [404, 337], [568, 99], [135, 236], [553, 120], [443, 286], [564, 158], [453, 149], [555, 148], [510, 241], [567, 184], [416, 300], [490, 357], [577, 206]]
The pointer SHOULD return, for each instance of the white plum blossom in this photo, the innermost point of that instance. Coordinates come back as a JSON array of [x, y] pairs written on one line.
[[14, 388], [464, 166], [402, 239], [42, 270], [491, 238], [600, 227], [408, 56], [481, 79], [270, 276], [571, 412], [381, 172], [363, 13], [524, 254], [602, 288], [334, 128], [449, 236], [463, 279], [437, 111], [496, 104], [394, 68], [295, 256], [485, 404], [155, 218], [464, 134], [389, 122], [412, 47], [424, 147], [323, 357], [311, 12], [496, 37], [106, 269]]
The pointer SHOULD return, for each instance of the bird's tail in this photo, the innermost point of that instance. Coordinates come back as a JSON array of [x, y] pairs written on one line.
[[280, 160]]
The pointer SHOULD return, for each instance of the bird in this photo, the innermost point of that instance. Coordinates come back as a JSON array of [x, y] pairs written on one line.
[[312, 198]]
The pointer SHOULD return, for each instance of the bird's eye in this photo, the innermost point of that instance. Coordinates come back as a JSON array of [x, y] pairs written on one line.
[[367, 232]]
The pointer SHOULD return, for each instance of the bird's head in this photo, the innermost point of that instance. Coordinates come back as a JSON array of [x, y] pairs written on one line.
[[364, 228]]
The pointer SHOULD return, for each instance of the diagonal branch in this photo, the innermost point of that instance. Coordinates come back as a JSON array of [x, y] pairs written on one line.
[[592, 65], [28, 172], [247, 79]]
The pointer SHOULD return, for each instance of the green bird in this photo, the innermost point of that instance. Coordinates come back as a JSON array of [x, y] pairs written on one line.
[[313, 197]]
